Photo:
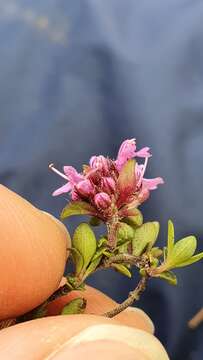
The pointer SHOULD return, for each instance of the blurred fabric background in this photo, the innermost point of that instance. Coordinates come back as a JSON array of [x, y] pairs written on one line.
[[79, 77]]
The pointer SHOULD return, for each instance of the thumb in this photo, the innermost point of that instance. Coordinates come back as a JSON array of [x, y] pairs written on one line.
[[33, 250]]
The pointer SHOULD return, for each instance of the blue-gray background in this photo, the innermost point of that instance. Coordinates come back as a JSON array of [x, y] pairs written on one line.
[[76, 79]]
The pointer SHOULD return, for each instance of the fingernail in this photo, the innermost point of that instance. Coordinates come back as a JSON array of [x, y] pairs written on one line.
[[102, 349], [135, 338], [144, 315]]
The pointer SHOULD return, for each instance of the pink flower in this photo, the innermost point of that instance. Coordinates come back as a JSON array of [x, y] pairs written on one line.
[[71, 175], [100, 163], [151, 184], [108, 185], [63, 189], [148, 184], [85, 188], [144, 152], [102, 200], [128, 151], [105, 182]]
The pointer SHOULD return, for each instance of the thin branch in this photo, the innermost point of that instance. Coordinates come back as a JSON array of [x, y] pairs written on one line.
[[127, 258], [196, 320], [133, 296], [63, 290], [41, 310]]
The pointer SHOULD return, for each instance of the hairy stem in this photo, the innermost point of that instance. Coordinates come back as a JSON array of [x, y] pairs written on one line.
[[112, 231], [133, 296], [40, 311], [138, 261]]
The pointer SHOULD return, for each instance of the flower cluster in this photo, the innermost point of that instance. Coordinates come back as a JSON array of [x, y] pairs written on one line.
[[109, 185]]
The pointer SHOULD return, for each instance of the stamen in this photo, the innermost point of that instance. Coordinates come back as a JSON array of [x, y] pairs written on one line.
[[143, 171], [51, 166]]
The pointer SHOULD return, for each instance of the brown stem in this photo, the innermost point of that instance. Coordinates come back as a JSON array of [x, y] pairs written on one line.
[[40, 311], [139, 261], [63, 290], [133, 295], [196, 320], [112, 230]]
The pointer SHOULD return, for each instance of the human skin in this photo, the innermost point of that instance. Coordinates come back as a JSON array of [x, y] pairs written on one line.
[[129, 335]]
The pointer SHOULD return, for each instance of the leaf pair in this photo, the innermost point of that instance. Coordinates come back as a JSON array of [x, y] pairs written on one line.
[[181, 253]]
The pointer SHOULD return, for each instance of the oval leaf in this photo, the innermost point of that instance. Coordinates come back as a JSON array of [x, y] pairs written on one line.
[[85, 242], [182, 251], [77, 208], [76, 306], [144, 236], [124, 232], [122, 269], [192, 260], [169, 276], [77, 259]]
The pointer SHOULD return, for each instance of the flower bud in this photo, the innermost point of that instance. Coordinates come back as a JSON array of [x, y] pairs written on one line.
[[100, 163], [102, 200], [108, 185], [85, 188]]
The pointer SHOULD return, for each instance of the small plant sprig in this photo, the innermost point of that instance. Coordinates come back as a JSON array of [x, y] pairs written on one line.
[[110, 192]]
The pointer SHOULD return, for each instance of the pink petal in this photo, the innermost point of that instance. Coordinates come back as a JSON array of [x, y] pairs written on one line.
[[63, 189], [85, 188], [100, 163], [73, 176], [127, 151], [144, 152], [151, 184]]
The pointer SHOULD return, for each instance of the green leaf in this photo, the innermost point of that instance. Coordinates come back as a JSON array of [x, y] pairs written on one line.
[[124, 232], [171, 237], [122, 269], [192, 260], [134, 220], [127, 181], [85, 242], [93, 265], [182, 251], [77, 259], [123, 249], [77, 208], [156, 252], [144, 237], [169, 276], [165, 253], [102, 241], [98, 253], [76, 306]]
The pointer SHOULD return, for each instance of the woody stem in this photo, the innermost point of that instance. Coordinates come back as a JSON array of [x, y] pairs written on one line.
[[112, 230], [133, 296]]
